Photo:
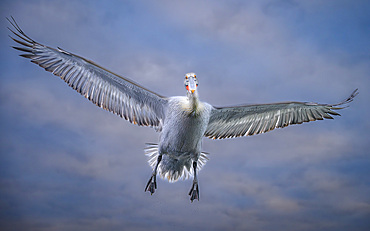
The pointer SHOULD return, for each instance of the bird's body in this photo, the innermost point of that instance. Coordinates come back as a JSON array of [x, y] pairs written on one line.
[[183, 128], [181, 121], [182, 133]]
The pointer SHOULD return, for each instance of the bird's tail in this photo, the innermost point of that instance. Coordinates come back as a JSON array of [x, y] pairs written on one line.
[[170, 168]]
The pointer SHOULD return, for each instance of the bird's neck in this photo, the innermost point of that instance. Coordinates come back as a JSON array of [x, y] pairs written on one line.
[[193, 102]]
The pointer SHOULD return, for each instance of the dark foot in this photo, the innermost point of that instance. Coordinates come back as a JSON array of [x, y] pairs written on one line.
[[194, 192], [151, 186]]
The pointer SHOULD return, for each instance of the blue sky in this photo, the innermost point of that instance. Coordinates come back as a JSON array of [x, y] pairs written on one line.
[[66, 164]]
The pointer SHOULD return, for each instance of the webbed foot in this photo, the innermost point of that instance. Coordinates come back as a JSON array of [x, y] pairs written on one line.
[[194, 191], [151, 186]]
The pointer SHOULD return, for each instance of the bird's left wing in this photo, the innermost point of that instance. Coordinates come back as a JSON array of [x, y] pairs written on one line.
[[229, 122], [104, 88]]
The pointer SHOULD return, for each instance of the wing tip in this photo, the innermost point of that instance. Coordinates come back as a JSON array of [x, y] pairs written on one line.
[[346, 101]]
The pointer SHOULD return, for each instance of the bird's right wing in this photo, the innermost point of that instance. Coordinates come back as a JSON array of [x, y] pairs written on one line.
[[229, 122], [104, 88]]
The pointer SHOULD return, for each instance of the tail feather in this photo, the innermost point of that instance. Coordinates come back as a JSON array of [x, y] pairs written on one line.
[[170, 168]]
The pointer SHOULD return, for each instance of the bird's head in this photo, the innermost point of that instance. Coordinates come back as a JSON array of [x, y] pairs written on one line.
[[191, 82]]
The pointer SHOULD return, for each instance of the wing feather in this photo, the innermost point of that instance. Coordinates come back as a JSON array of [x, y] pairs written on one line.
[[228, 122], [107, 90]]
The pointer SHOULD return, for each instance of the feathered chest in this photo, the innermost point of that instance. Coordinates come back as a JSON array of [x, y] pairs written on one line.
[[185, 121], [185, 108]]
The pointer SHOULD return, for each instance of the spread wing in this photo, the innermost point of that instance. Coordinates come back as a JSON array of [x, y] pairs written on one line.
[[229, 122], [104, 88]]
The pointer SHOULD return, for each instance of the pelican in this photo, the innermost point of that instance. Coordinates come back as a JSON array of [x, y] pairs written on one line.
[[182, 121]]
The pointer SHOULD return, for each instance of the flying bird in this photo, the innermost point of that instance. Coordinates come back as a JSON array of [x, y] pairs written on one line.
[[182, 121]]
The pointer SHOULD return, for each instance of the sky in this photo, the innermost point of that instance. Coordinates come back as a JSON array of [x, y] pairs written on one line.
[[66, 164]]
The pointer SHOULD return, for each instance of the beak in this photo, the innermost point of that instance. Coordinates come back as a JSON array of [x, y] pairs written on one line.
[[192, 85]]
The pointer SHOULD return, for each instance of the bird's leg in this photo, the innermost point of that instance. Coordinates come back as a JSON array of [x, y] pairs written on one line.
[[194, 191], [152, 183]]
